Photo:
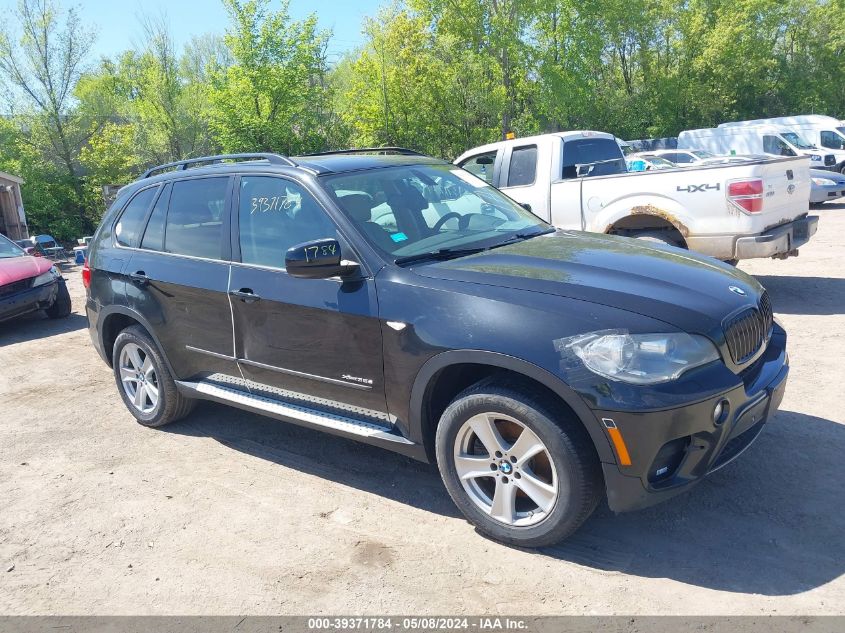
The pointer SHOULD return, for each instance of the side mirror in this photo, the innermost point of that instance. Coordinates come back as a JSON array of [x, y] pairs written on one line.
[[319, 259], [525, 206]]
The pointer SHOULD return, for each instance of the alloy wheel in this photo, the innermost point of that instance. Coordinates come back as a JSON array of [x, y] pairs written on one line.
[[506, 469], [138, 377]]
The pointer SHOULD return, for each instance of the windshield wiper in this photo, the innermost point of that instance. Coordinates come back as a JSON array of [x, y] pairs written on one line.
[[443, 253], [522, 236]]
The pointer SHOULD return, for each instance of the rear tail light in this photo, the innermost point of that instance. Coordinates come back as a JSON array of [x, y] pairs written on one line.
[[86, 275], [747, 195]]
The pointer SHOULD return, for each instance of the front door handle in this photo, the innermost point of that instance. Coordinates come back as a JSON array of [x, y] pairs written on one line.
[[140, 277], [245, 294]]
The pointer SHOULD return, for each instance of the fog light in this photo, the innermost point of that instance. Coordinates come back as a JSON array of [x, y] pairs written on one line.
[[720, 412]]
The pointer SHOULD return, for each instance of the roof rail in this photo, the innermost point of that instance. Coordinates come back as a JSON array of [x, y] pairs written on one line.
[[370, 150], [273, 159]]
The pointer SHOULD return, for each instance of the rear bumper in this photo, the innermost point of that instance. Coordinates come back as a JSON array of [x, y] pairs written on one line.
[[30, 300], [697, 445], [778, 241]]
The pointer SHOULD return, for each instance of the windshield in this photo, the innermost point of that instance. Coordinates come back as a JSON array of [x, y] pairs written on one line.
[[660, 163], [9, 249], [417, 209], [702, 154], [797, 141]]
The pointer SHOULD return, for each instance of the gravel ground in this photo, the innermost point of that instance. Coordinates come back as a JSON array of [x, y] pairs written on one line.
[[230, 513]]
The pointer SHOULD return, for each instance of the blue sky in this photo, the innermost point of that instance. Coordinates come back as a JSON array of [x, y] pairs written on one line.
[[117, 21]]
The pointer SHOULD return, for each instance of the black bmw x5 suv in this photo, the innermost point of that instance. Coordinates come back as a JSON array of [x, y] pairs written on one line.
[[395, 299]]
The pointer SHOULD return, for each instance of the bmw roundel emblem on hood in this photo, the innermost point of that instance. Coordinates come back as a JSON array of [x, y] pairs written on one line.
[[737, 290]]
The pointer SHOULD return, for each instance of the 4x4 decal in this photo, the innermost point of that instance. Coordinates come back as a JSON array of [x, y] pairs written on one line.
[[695, 188]]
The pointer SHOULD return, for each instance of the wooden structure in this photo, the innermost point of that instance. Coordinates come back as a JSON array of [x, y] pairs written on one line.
[[12, 218]]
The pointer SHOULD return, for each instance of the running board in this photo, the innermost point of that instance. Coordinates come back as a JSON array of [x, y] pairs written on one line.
[[296, 413]]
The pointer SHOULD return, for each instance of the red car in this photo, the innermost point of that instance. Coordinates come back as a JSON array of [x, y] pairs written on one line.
[[28, 284]]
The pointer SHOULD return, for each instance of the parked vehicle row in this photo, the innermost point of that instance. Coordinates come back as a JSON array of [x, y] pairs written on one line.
[[402, 301], [579, 180]]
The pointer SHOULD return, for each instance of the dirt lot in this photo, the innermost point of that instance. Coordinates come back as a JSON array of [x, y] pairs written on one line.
[[230, 513]]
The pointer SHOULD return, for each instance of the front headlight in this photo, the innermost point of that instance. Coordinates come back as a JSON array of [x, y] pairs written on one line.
[[45, 278], [642, 359], [815, 157], [824, 182]]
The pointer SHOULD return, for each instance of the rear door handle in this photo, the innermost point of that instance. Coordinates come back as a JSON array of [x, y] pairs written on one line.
[[245, 294], [139, 277]]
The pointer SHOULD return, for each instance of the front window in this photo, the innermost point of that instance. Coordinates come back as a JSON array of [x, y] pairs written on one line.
[[702, 154], [832, 140], [9, 249], [275, 214], [418, 209], [796, 141], [776, 145], [481, 165]]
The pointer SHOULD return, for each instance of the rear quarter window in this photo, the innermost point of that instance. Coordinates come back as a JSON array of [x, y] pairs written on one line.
[[129, 226]]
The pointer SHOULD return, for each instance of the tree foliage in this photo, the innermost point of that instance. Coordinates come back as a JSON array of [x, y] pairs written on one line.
[[438, 76]]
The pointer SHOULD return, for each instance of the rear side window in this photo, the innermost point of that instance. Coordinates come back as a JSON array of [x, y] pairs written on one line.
[[592, 157], [481, 166], [154, 235], [775, 145], [195, 219], [129, 225], [523, 167]]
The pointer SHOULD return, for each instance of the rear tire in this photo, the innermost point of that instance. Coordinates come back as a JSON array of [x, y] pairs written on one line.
[[61, 306], [532, 480], [144, 381]]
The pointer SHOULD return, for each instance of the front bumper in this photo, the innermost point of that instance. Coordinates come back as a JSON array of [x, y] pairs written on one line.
[[778, 241], [29, 300], [697, 445]]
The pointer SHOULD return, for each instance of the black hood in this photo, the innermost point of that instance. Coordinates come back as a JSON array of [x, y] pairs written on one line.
[[688, 291]]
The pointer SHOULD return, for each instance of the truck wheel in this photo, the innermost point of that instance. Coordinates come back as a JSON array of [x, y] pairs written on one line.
[[144, 382], [519, 471], [61, 305], [660, 237]]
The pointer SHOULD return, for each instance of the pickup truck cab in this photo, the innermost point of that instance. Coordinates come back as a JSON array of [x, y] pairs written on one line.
[[578, 180]]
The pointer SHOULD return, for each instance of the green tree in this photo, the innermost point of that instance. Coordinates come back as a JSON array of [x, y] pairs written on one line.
[[274, 95]]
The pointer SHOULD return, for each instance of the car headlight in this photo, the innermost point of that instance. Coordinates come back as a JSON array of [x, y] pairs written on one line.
[[824, 182], [45, 278], [642, 359], [815, 157]]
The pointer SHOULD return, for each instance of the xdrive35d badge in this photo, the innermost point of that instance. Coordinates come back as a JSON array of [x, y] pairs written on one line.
[[395, 299]]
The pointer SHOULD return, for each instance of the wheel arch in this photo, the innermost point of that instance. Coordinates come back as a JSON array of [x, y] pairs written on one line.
[[443, 376], [114, 319]]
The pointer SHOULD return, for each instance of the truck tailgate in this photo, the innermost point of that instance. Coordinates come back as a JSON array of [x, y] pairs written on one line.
[[786, 191]]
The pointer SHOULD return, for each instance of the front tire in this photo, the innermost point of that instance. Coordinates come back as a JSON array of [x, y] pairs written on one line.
[[519, 472], [144, 381], [61, 305]]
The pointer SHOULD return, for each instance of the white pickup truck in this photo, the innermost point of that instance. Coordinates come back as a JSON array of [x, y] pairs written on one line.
[[578, 180]]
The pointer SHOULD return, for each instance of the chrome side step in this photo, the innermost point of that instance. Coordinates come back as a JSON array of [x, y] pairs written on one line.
[[297, 413]]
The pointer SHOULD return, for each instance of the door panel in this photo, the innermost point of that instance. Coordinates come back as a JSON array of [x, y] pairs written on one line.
[[318, 337], [179, 279]]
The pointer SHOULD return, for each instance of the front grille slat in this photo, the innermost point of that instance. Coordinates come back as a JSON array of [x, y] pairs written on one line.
[[748, 331], [15, 287]]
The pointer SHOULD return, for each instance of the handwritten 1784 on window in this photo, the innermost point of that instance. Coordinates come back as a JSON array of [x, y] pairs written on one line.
[[268, 205]]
